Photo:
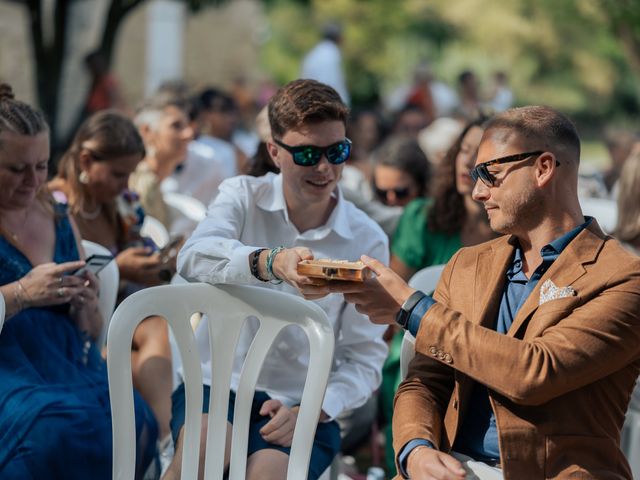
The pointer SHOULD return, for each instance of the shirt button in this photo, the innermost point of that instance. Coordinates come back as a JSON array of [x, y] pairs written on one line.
[[433, 350]]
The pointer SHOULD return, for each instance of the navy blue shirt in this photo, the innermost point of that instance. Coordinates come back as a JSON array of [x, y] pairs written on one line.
[[478, 436]]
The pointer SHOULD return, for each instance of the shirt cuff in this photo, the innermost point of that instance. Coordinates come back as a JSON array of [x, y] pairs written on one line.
[[407, 449], [239, 263], [418, 311]]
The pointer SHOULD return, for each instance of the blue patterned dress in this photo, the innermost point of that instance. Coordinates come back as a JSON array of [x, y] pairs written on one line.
[[55, 417]]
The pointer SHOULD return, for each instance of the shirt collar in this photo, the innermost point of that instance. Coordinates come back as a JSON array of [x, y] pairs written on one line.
[[338, 221], [550, 251]]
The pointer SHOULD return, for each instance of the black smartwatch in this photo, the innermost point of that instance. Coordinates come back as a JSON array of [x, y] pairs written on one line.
[[402, 317]]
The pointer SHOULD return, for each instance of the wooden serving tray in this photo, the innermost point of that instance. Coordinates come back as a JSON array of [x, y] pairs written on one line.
[[334, 270]]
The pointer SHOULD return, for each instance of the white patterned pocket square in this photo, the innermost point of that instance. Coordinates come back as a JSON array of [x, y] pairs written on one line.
[[549, 291]]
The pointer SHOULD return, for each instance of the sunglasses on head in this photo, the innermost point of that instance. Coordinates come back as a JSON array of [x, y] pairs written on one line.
[[400, 193], [310, 155], [481, 172]]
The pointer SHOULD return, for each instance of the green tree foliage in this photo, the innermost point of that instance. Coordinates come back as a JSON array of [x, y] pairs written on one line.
[[581, 56]]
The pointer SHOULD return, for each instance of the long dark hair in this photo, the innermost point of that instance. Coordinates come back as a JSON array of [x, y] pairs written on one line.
[[448, 213]]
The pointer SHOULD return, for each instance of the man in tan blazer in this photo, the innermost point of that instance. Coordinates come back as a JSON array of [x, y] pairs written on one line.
[[528, 351]]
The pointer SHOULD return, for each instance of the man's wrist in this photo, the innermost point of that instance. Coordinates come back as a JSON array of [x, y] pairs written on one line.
[[402, 317]]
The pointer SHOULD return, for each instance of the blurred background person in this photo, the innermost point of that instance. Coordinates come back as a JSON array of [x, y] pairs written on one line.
[[429, 233], [501, 95], [217, 120], [55, 417], [262, 163], [324, 61], [436, 139], [628, 224], [401, 172], [200, 173], [620, 143], [105, 91], [92, 180], [166, 131], [366, 130], [409, 121], [469, 91]]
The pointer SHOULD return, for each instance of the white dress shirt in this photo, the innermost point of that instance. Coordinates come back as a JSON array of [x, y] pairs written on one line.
[[199, 176], [250, 213]]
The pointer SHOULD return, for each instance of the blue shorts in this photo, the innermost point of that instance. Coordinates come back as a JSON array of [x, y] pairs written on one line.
[[325, 446]]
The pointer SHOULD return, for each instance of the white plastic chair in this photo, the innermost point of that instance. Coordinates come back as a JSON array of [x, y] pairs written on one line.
[[603, 210], [226, 307], [2, 311], [155, 230], [109, 282], [425, 280], [185, 212]]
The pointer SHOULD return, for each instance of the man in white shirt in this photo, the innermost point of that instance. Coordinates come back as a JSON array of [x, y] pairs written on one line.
[[324, 61], [295, 215]]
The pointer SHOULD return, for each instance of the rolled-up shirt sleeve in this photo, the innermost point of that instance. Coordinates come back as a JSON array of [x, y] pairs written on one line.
[[213, 253]]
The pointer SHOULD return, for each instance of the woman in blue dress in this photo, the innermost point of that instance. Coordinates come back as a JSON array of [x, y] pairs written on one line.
[[55, 419]]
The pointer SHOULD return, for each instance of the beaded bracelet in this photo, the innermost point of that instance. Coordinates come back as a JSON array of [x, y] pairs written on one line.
[[253, 266], [270, 259]]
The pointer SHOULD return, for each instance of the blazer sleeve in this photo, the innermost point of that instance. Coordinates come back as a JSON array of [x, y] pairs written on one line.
[[422, 398], [597, 336]]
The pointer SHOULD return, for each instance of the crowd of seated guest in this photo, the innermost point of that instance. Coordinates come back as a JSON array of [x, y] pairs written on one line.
[[117, 170]]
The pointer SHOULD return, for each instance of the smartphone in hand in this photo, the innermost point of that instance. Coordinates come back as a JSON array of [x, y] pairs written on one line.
[[94, 264]]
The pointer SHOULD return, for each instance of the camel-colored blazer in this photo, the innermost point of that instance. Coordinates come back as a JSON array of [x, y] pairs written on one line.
[[559, 381]]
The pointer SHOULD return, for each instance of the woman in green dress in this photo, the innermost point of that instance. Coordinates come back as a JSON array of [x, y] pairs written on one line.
[[429, 233]]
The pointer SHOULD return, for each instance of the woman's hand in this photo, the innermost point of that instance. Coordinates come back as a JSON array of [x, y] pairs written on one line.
[[50, 284], [139, 265], [84, 306]]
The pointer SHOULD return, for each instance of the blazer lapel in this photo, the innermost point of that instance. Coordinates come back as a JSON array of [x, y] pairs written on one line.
[[567, 268], [489, 280]]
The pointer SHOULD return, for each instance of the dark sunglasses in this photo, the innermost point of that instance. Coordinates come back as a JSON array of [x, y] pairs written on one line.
[[400, 193], [481, 171], [310, 155]]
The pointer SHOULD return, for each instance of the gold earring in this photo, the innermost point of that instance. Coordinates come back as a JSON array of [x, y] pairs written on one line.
[[83, 177]]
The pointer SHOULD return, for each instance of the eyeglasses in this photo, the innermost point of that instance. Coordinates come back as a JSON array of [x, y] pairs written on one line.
[[400, 193], [481, 171], [310, 155]]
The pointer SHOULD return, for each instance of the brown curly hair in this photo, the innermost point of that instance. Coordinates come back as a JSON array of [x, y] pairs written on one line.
[[448, 213]]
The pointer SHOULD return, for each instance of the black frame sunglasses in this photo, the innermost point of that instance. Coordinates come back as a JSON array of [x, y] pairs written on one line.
[[481, 171], [310, 155], [400, 193]]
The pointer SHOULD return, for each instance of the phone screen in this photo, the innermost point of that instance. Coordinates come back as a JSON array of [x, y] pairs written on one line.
[[95, 263]]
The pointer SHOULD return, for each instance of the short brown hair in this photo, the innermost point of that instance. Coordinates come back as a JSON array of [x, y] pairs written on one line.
[[541, 128], [303, 102]]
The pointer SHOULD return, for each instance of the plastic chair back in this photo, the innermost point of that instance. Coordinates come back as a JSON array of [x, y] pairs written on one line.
[[425, 280], [155, 230], [227, 308], [109, 281], [603, 210]]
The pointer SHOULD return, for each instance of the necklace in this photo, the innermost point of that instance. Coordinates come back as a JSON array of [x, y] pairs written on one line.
[[12, 232], [91, 215]]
